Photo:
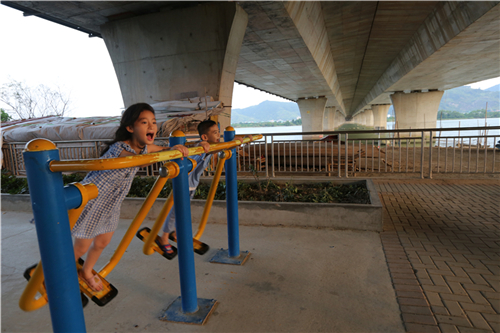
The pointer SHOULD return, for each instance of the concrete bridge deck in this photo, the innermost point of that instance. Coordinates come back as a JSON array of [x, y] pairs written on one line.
[[339, 60], [434, 268]]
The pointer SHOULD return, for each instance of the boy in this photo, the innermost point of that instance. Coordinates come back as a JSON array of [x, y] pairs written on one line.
[[209, 133]]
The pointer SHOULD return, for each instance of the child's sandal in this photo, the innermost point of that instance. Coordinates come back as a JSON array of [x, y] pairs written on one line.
[[165, 248], [169, 251]]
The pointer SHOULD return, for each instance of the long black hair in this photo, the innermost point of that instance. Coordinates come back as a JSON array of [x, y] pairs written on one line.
[[129, 117]]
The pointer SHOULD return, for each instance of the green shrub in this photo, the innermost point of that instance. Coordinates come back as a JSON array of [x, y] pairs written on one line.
[[142, 185], [13, 185], [73, 178], [258, 191], [269, 191]]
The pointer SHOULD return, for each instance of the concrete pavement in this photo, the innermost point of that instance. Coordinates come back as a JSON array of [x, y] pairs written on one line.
[[296, 280], [434, 268]]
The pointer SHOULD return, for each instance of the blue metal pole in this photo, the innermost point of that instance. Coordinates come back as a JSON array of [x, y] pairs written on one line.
[[54, 237], [182, 205], [232, 198], [72, 196]]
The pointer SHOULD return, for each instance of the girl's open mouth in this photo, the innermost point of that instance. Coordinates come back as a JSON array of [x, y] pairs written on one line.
[[150, 136]]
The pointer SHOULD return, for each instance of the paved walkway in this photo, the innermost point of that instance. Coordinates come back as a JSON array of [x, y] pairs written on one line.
[[296, 280], [441, 241], [442, 244]]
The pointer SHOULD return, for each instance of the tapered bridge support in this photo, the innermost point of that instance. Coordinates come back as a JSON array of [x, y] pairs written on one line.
[[380, 115], [178, 54], [312, 112], [416, 109], [339, 119]]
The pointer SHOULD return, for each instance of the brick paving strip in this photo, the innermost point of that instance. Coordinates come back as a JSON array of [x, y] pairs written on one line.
[[441, 239]]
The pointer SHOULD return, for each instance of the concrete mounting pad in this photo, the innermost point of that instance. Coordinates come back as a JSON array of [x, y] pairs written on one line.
[[175, 314], [222, 257], [297, 280]]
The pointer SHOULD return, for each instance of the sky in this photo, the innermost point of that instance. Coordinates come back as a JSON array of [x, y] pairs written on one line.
[[36, 51]]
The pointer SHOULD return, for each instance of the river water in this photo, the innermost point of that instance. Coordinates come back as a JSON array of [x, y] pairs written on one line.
[[450, 123]]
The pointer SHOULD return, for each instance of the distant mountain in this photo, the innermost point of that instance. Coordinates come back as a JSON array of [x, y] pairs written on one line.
[[266, 111], [465, 99], [494, 88], [461, 99]]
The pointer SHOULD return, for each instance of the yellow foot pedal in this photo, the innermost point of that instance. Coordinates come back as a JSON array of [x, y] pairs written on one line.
[[198, 247], [102, 297], [29, 272], [168, 252]]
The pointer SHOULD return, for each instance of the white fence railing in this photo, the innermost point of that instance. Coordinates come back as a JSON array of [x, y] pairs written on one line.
[[340, 154]]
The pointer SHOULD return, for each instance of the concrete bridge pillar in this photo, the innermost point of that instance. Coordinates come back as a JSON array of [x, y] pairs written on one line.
[[380, 115], [357, 119], [360, 118], [178, 54], [339, 119], [368, 117], [417, 109], [312, 113], [329, 121]]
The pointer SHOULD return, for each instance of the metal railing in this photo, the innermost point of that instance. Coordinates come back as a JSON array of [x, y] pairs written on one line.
[[368, 153], [345, 154], [69, 150]]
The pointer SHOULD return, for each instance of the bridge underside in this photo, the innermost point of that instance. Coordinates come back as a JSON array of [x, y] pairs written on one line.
[[374, 48], [354, 54]]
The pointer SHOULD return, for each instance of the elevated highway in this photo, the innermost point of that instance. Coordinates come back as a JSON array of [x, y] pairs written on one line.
[[345, 60]]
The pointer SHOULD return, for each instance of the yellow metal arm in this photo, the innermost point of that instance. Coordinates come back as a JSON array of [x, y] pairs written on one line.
[[141, 215], [148, 242], [147, 249], [211, 193], [138, 160], [28, 301]]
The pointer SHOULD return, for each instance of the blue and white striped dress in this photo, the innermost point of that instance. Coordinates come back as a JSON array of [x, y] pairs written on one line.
[[101, 215]]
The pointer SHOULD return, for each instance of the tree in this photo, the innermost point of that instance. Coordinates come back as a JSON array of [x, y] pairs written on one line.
[[5, 116], [31, 102]]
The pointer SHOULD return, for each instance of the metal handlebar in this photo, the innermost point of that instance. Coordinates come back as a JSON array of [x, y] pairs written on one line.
[[138, 160]]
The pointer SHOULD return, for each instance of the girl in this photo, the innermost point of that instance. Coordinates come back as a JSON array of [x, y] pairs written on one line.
[[99, 219]]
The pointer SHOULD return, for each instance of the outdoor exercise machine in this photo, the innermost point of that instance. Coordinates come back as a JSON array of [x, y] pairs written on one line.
[[149, 236], [53, 226], [231, 256]]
